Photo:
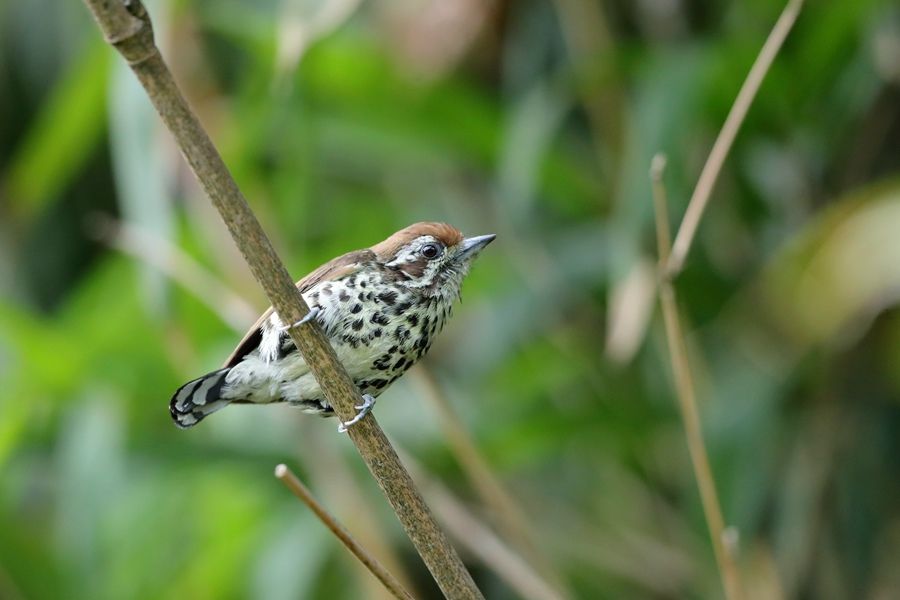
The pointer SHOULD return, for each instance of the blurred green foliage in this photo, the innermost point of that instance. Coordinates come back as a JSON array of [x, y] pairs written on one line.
[[344, 121]]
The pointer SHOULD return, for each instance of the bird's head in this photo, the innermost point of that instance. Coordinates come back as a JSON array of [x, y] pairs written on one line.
[[432, 258]]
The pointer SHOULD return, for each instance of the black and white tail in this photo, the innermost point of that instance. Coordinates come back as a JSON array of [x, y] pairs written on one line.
[[198, 398]]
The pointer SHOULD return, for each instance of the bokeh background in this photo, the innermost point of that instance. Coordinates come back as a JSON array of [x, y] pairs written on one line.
[[344, 121]]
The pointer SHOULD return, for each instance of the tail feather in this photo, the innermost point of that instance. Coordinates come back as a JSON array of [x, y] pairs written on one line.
[[198, 398]]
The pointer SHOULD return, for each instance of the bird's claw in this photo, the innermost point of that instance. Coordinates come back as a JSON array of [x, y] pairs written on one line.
[[364, 409], [312, 314]]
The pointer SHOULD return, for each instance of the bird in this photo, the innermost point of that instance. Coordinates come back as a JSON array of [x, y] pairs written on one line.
[[380, 308]]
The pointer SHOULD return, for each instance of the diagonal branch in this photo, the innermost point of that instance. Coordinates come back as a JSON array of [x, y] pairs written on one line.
[[733, 121], [126, 25]]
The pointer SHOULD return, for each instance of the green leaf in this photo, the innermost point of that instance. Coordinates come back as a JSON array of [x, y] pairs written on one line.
[[61, 139]]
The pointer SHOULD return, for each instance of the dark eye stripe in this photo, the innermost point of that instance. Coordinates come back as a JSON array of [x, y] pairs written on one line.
[[414, 269]]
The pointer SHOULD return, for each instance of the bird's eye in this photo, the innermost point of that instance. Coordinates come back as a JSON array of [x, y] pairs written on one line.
[[430, 251]]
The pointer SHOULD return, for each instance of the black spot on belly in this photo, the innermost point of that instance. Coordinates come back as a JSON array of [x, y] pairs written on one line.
[[351, 282], [326, 291], [357, 324], [362, 283], [343, 296], [377, 332], [378, 383], [413, 319], [402, 307], [356, 308], [379, 319], [423, 350], [399, 364], [388, 297]]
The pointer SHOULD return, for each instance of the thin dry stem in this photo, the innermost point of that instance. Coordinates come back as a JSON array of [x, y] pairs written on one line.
[[127, 27], [687, 399], [510, 517], [293, 483], [672, 262], [699, 458], [179, 266], [476, 537], [721, 147], [661, 208]]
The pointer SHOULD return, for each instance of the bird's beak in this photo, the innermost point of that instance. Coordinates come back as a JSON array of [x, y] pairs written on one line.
[[470, 247]]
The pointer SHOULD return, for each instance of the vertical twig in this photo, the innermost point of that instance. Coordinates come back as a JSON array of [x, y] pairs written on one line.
[[733, 121], [687, 399], [661, 209], [126, 26], [287, 477], [671, 263]]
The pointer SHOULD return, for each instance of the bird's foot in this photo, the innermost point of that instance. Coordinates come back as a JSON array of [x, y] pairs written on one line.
[[364, 409], [312, 314]]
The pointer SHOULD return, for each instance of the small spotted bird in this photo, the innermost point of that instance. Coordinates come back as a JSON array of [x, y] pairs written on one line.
[[380, 307]]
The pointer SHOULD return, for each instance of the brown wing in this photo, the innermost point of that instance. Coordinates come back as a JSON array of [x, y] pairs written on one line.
[[335, 269]]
